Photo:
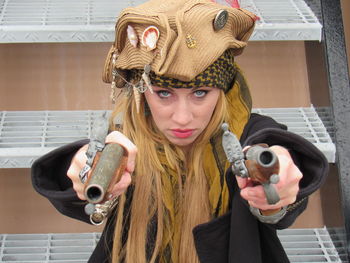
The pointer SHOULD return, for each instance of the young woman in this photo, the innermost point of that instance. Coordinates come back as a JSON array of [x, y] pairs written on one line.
[[178, 198]]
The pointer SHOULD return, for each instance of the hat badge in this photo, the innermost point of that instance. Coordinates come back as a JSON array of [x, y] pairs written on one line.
[[150, 37], [220, 20], [191, 42]]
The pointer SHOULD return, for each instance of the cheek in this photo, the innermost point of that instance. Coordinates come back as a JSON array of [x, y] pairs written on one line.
[[159, 116], [207, 114], [209, 108]]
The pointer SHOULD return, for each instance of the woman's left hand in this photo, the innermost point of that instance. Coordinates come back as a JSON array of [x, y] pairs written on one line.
[[287, 187]]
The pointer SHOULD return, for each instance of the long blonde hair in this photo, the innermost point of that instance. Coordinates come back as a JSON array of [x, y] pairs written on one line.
[[151, 192]]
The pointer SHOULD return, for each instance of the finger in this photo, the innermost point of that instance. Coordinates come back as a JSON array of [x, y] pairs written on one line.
[[120, 187], [73, 173], [242, 182], [246, 148], [253, 193], [78, 186], [81, 195], [290, 176], [79, 189], [80, 157], [257, 196], [78, 162], [295, 174], [117, 137], [279, 150]]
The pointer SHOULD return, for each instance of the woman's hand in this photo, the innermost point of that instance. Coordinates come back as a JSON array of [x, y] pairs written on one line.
[[287, 187], [79, 160]]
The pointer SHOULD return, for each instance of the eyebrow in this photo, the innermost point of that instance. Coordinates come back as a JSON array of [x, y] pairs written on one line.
[[172, 89]]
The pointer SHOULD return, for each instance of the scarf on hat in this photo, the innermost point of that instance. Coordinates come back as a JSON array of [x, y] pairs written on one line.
[[219, 74]]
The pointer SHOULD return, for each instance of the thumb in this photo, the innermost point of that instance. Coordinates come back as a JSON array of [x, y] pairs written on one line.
[[242, 182]]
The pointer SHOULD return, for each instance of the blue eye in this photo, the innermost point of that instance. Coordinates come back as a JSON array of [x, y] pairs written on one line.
[[163, 93], [200, 93]]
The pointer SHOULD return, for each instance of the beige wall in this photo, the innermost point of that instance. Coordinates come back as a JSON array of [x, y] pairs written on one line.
[[52, 76], [23, 211], [68, 76]]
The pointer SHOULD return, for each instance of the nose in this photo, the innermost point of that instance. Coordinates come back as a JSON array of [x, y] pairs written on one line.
[[182, 114]]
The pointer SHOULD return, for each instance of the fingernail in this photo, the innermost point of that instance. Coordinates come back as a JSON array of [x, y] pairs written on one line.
[[110, 196], [131, 167]]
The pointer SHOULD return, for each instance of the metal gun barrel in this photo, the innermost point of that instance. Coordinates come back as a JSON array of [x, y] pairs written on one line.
[[107, 170], [263, 156], [261, 163]]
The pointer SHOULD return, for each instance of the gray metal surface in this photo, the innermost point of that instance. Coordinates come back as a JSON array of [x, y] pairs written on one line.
[[301, 245], [313, 245], [44, 248], [283, 20], [94, 20], [27, 135], [306, 123], [339, 91]]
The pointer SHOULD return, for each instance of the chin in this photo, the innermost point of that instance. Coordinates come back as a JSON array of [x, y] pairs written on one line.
[[182, 142]]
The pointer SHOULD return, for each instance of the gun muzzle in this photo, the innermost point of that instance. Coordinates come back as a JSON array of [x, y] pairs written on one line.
[[263, 156], [107, 171], [261, 162]]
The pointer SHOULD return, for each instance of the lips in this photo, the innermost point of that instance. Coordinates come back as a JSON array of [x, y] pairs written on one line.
[[179, 133]]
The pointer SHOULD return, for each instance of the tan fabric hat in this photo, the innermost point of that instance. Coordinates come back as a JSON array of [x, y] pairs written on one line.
[[192, 35]]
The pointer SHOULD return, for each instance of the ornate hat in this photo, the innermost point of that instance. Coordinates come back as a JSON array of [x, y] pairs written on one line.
[[176, 39]]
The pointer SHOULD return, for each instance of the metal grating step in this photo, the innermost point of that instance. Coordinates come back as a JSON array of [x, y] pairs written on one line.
[[27, 135], [301, 245], [307, 123], [283, 20], [28, 21], [42, 248], [314, 245]]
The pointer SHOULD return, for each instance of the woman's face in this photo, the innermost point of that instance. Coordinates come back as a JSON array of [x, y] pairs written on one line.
[[182, 114]]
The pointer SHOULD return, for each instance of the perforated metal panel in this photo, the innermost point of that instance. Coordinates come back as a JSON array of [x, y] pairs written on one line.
[[27, 135], [301, 245], [42, 248], [94, 20], [283, 20], [306, 123], [314, 245]]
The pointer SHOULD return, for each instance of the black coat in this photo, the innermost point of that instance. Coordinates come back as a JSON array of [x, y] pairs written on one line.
[[234, 237]]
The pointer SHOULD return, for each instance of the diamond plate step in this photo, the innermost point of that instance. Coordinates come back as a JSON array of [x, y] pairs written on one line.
[[94, 20], [302, 245], [27, 135]]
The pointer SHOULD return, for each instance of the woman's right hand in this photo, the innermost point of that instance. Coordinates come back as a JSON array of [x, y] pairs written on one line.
[[79, 161]]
